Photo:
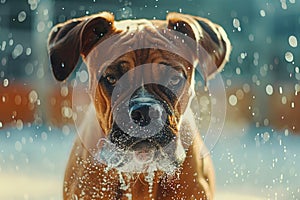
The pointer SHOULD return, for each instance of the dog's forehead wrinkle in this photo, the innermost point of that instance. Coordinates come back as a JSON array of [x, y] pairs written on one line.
[[141, 56], [143, 32], [135, 39]]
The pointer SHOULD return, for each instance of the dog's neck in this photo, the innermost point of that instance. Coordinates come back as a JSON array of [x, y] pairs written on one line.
[[95, 179], [159, 184]]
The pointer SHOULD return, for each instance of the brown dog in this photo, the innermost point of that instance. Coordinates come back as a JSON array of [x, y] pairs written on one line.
[[162, 98]]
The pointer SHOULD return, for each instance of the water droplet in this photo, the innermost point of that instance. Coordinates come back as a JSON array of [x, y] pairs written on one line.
[[297, 87], [45, 12], [293, 41], [283, 4], [33, 96], [40, 73], [66, 112], [19, 124], [5, 82], [44, 136], [256, 55], [29, 69], [33, 4], [83, 76], [22, 16], [74, 197], [243, 55], [236, 23], [297, 76], [11, 42], [18, 50], [3, 45], [228, 82], [124, 186], [73, 13], [204, 101], [18, 146], [280, 90], [293, 104], [289, 57], [232, 100], [262, 13], [41, 26], [66, 130], [269, 89], [251, 37], [18, 100], [266, 122], [239, 94], [126, 12], [64, 91], [283, 100], [43, 149], [28, 51], [23, 140], [246, 88]]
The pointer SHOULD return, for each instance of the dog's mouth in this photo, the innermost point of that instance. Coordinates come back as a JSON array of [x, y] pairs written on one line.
[[128, 141], [129, 154], [144, 151], [143, 145], [141, 158]]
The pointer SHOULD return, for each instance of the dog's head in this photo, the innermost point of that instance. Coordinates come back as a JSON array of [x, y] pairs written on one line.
[[140, 90]]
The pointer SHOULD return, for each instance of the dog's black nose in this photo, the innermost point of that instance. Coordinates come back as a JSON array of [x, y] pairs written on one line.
[[143, 112], [140, 114]]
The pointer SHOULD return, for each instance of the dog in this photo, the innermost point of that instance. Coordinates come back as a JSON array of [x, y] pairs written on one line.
[[162, 98]]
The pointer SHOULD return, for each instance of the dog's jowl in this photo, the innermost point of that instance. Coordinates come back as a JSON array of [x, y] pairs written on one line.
[[141, 83]]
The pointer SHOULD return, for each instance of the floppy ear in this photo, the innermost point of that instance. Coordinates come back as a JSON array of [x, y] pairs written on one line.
[[209, 37], [67, 41]]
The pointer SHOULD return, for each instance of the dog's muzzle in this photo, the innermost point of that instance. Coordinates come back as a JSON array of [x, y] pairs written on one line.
[[151, 125]]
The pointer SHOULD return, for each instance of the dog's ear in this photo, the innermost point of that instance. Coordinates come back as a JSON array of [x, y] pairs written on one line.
[[211, 37], [67, 41]]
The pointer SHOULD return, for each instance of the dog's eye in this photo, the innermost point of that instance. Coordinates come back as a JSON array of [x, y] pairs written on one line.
[[175, 80], [111, 79]]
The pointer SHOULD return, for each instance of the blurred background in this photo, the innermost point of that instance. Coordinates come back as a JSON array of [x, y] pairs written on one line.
[[257, 155]]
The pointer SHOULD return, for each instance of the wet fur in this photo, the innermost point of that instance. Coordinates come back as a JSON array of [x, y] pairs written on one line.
[[85, 178]]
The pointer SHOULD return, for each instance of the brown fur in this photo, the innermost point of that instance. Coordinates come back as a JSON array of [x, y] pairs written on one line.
[[87, 179]]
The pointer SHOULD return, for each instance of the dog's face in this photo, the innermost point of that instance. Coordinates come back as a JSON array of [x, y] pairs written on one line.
[[148, 101], [141, 95]]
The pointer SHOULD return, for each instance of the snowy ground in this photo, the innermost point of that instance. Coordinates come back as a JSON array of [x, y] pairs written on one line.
[[260, 165]]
